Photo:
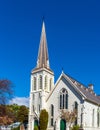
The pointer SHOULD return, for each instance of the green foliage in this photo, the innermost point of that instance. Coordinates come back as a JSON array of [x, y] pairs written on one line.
[[11, 112], [17, 128], [75, 127], [35, 127], [14, 113], [43, 119], [22, 115]]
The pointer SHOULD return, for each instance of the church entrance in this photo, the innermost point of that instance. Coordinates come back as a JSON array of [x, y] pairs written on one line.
[[62, 124], [35, 122]]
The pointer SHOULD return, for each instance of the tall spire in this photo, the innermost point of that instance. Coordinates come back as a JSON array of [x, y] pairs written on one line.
[[43, 57]]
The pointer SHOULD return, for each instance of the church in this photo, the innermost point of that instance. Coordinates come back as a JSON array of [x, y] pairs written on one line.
[[67, 93]]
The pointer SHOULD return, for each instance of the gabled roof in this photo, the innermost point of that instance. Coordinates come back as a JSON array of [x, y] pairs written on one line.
[[85, 92], [89, 93]]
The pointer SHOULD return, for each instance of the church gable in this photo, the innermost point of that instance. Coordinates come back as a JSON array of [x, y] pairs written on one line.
[[63, 96], [64, 83], [76, 88], [63, 89]]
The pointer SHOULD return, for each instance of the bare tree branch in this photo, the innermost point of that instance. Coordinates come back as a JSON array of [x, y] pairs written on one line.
[[6, 91], [69, 116]]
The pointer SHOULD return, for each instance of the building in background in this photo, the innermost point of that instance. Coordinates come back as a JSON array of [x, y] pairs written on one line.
[[66, 93]]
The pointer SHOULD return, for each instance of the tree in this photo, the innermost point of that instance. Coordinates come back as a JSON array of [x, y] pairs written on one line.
[[5, 91], [43, 120], [7, 115], [5, 120], [5, 94], [69, 116], [22, 114], [12, 111]]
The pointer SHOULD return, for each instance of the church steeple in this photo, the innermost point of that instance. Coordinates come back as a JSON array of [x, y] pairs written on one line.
[[42, 81], [43, 57]]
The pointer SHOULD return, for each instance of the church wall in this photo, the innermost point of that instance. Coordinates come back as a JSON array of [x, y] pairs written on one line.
[[89, 128], [90, 115], [72, 97]]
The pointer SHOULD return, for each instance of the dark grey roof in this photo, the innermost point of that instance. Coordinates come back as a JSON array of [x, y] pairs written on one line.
[[89, 93]]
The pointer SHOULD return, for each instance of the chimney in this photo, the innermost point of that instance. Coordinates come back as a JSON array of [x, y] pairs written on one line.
[[90, 86]]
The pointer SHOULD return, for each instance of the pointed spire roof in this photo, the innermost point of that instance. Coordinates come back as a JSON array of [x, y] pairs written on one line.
[[43, 57]]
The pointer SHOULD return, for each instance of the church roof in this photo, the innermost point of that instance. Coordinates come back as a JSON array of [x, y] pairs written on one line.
[[89, 93], [43, 57]]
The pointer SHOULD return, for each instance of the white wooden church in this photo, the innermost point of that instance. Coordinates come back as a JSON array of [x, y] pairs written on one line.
[[66, 93]]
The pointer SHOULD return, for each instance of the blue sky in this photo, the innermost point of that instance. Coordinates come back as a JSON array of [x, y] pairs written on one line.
[[73, 36]]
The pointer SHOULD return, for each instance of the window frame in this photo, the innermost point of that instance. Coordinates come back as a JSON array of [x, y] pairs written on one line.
[[63, 101]]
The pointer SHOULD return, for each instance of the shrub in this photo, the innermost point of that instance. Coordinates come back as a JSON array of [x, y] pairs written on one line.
[[75, 127], [17, 128], [43, 121], [35, 127]]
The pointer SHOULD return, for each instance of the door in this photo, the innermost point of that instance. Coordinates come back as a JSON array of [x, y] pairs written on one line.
[[62, 124], [35, 122]]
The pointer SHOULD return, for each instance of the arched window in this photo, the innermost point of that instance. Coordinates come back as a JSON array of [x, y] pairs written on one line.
[[93, 112], [63, 99], [39, 102], [52, 110], [98, 117], [33, 97], [45, 87], [33, 108], [76, 109], [52, 115], [40, 82], [34, 83], [76, 106], [50, 84]]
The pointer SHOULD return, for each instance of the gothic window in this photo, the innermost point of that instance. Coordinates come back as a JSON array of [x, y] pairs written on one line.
[[93, 117], [50, 83], [98, 117], [40, 82], [39, 101], [34, 83], [33, 108], [76, 106], [39, 98], [63, 99], [52, 114], [39, 95], [52, 110], [33, 97], [39, 107], [76, 109], [45, 87]]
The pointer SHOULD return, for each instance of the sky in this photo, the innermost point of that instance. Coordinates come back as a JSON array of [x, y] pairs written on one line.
[[73, 37]]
